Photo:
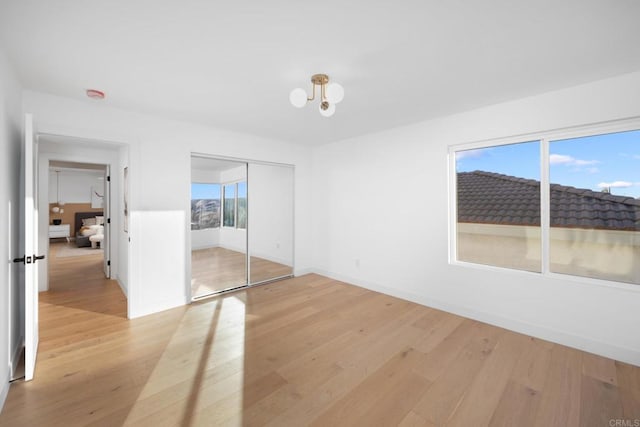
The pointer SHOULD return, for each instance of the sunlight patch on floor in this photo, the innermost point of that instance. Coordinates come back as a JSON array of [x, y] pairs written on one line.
[[215, 331]]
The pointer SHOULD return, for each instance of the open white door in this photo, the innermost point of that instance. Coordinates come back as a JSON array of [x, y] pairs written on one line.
[[31, 249], [106, 206]]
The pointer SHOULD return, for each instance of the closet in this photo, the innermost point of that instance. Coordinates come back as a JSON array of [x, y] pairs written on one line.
[[241, 224]]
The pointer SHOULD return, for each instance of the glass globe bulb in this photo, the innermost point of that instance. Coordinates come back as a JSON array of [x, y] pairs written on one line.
[[298, 98], [55, 209], [334, 93], [329, 111]]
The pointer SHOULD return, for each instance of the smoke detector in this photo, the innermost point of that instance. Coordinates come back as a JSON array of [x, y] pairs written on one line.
[[95, 94]]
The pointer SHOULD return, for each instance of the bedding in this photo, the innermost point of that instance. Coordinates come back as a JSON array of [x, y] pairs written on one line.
[[86, 225], [90, 230]]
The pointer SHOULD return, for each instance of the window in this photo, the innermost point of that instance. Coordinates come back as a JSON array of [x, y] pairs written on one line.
[[591, 195], [229, 205], [235, 205], [205, 206], [498, 204], [242, 205], [595, 206]]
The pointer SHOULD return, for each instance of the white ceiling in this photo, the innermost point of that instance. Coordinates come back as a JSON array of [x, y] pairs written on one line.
[[233, 64], [215, 165]]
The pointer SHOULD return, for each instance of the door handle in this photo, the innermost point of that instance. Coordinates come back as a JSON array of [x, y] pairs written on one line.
[[27, 259]]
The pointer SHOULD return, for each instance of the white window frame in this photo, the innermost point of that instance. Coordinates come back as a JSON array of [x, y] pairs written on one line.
[[235, 204], [544, 137], [224, 202]]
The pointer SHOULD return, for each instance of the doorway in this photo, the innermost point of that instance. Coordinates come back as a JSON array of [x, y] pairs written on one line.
[[78, 208], [241, 224]]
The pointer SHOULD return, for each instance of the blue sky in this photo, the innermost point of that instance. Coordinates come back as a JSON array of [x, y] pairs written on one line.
[[595, 162], [205, 191]]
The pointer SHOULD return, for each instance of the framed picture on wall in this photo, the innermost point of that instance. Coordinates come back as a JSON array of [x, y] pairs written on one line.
[[126, 199]]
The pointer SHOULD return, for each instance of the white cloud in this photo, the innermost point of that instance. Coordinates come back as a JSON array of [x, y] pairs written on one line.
[[579, 162], [636, 156], [593, 170], [562, 159], [469, 154], [615, 184]]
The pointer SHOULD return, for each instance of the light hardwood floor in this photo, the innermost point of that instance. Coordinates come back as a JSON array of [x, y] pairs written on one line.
[[217, 269], [304, 351]]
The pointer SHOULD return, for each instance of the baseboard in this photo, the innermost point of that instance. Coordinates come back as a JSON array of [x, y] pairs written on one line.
[[612, 351], [197, 248], [14, 362], [5, 389], [122, 287], [232, 248], [270, 258], [303, 271]]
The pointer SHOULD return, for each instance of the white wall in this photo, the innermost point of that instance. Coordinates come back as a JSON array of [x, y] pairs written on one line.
[[160, 173], [75, 186], [12, 297], [388, 231], [164, 268]]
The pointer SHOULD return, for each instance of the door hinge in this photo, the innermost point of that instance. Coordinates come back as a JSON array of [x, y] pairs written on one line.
[[108, 178], [109, 262], [108, 220]]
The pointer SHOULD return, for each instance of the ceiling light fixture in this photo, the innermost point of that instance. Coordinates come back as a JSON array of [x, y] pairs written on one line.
[[330, 95]]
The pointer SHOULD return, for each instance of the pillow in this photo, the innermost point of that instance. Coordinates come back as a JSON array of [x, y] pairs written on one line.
[[99, 220], [88, 221]]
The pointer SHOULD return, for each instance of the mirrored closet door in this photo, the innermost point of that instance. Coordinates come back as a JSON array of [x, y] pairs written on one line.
[[270, 222], [218, 226], [241, 224]]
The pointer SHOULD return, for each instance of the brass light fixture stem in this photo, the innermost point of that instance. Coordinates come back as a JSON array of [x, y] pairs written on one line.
[[314, 94], [319, 80]]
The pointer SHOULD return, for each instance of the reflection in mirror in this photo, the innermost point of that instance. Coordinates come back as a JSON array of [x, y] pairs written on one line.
[[270, 222], [218, 208]]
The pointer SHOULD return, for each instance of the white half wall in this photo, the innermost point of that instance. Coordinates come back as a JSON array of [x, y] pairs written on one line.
[[12, 297], [154, 262], [381, 221]]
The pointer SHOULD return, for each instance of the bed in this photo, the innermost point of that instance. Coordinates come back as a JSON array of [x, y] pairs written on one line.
[[83, 241]]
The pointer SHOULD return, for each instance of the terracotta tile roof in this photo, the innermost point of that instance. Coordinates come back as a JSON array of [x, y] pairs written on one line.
[[492, 198]]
